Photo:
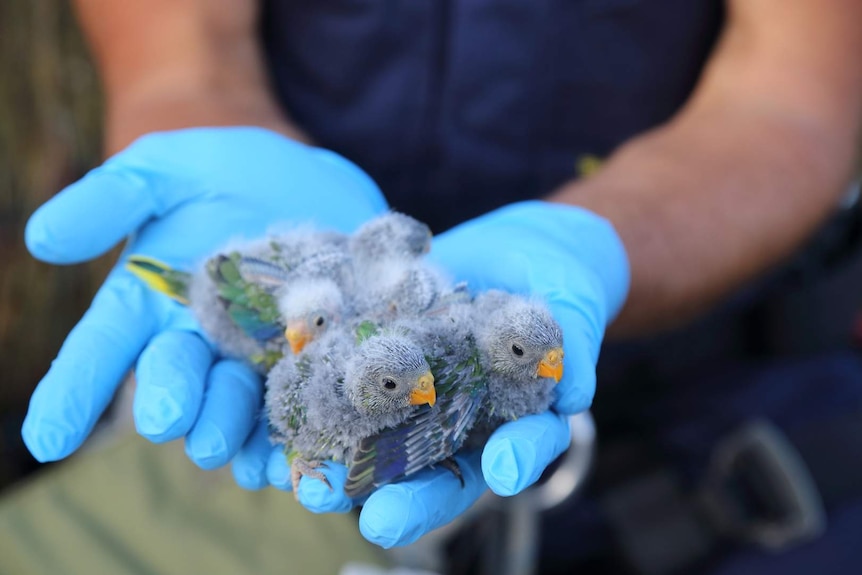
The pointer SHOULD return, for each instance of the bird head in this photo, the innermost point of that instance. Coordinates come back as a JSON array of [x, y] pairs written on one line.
[[522, 341], [392, 235], [309, 307], [388, 374]]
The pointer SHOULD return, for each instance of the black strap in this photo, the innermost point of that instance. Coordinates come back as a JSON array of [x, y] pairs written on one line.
[[764, 487], [657, 527]]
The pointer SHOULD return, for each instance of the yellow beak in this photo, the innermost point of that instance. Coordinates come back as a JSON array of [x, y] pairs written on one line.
[[425, 391], [552, 365], [297, 337]]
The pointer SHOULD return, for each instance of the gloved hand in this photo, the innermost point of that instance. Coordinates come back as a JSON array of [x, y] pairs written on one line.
[[576, 262], [180, 195]]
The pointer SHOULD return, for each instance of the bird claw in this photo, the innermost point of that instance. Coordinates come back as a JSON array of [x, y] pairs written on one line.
[[300, 467], [452, 465]]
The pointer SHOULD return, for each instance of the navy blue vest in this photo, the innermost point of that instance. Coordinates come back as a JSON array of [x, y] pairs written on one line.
[[458, 107]]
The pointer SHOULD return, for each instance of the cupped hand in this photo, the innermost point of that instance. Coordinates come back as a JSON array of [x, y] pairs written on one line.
[[571, 258], [177, 196]]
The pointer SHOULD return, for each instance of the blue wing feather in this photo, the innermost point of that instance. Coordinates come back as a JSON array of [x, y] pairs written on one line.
[[429, 436]]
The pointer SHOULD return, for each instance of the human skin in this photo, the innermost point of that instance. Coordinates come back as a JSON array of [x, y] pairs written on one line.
[[755, 160], [740, 176], [737, 179]]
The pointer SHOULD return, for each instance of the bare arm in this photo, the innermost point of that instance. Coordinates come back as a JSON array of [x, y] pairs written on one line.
[[169, 64], [757, 158]]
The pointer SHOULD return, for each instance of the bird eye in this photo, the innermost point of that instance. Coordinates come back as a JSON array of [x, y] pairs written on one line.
[[517, 350], [389, 383], [319, 321]]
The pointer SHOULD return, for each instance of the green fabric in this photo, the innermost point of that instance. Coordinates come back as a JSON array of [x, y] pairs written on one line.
[[134, 507]]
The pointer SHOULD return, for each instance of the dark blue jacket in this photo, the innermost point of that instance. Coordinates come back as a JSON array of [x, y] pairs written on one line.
[[457, 107]]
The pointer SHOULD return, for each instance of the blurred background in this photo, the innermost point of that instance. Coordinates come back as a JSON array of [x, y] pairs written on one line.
[[50, 134]]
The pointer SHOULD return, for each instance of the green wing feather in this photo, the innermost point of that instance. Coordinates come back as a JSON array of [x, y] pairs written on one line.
[[251, 307], [430, 435]]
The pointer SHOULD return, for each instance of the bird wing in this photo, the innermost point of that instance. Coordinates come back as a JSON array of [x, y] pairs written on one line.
[[266, 274], [250, 305], [429, 436], [329, 262], [458, 295]]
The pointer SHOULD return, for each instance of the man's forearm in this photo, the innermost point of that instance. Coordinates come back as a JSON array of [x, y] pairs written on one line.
[[707, 204], [168, 64], [746, 171]]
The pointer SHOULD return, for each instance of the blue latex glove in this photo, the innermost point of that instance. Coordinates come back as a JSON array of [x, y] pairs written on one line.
[[576, 262], [180, 195]]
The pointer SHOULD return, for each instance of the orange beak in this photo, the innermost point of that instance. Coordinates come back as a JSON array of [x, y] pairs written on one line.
[[297, 337], [552, 365], [425, 391]]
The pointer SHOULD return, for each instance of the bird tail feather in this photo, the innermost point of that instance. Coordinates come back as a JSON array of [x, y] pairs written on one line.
[[160, 277]]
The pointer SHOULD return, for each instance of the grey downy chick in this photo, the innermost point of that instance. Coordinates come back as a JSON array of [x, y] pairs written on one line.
[[322, 402], [432, 434], [390, 236], [255, 308], [521, 351], [404, 288], [309, 307]]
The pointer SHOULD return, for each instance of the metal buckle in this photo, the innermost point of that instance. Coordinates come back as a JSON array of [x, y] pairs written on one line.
[[758, 489]]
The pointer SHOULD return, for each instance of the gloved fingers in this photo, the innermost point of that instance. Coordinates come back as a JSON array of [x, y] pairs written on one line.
[[400, 513], [317, 497], [278, 469], [229, 412], [89, 217], [260, 176], [352, 176], [519, 451], [582, 336], [95, 357], [249, 465], [460, 252], [171, 377]]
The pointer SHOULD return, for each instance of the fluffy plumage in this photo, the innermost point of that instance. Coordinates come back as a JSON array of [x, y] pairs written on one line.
[[494, 361], [322, 402], [521, 350], [264, 307], [241, 319], [390, 236], [402, 288], [432, 434], [364, 316], [260, 298], [309, 308]]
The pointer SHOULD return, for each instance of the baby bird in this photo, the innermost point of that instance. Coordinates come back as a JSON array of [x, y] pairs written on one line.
[[402, 288], [496, 362], [322, 402], [240, 316], [254, 303], [432, 434], [390, 276], [308, 308], [521, 350], [390, 236]]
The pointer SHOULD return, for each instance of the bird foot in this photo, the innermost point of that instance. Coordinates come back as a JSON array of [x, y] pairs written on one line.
[[300, 467], [453, 466]]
